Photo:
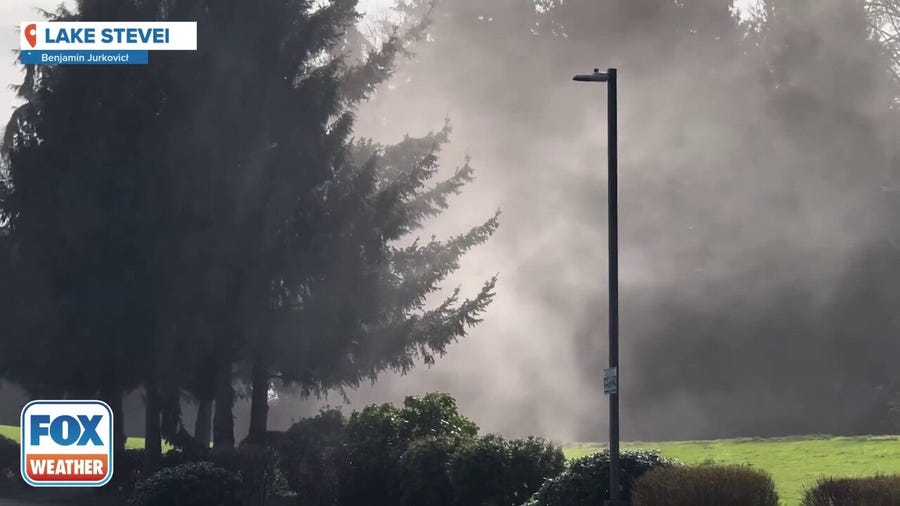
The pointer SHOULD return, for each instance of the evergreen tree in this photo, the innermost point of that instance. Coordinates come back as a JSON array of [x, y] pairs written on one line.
[[211, 210]]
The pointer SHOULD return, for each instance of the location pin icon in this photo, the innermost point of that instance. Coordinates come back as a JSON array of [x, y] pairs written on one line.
[[31, 34]]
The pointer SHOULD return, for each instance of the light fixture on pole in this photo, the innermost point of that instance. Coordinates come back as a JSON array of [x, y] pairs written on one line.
[[611, 375]]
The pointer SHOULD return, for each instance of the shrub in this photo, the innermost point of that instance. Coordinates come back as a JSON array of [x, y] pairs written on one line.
[[871, 491], [127, 470], [374, 443], [586, 481], [258, 469], [379, 435], [311, 455], [422, 473], [435, 414], [9, 463], [191, 484], [359, 461], [500, 472], [705, 486]]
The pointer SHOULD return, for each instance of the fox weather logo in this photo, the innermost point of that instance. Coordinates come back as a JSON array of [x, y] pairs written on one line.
[[67, 443]]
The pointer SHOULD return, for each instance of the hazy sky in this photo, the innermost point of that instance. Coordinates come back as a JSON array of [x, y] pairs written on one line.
[[16, 11]]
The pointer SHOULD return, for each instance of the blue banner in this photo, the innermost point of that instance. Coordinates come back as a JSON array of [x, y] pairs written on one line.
[[92, 57]]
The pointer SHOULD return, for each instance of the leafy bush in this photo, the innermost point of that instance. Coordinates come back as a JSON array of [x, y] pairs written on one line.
[[191, 484], [586, 481], [422, 473], [9, 462], [870, 491], [311, 455], [127, 470], [374, 443], [379, 435], [705, 486], [361, 461], [435, 414], [500, 472], [258, 469]]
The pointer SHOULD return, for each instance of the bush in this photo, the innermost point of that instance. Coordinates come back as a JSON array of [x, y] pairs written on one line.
[[127, 470], [436, 415], [192, 484], [705, 486], [311, 456], [500, 472], [374, 443], [10, 455], [258, 469], [586, 481], [422, 473], [871, 491]]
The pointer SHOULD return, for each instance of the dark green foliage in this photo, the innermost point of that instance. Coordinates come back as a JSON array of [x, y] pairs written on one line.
[[374, 442], [211, 208], [379, 435], [705, 486], [421, 475], [869, 491], [586, 481], [259, 471], [127, 470], [10, 455], [436, 414], [191, 484], [498, 472], [311, 457], [381, 455]]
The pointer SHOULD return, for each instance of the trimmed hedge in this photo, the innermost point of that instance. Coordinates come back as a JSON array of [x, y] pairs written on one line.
[[192, 484], [586, 481], [869, 491], [705, 486], [493, 470]]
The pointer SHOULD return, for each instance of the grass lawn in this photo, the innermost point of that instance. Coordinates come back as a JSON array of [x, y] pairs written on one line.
[[12, 432], [794, 463]]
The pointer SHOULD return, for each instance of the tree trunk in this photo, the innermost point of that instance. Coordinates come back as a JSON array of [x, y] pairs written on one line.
[[259, 404], [152, 436], [203, 425], [223, 423]]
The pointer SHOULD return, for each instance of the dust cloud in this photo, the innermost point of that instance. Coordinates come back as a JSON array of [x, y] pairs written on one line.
[[758, 276]]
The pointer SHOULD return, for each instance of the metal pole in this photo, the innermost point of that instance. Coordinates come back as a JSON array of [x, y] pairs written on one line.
[[613, 201], [613, 372]]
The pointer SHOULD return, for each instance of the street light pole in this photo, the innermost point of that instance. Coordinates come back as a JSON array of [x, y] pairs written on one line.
[[612, 374]]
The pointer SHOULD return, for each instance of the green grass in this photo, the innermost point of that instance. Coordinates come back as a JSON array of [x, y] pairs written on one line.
[[12, 432], [9, 431], [795, 463]]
